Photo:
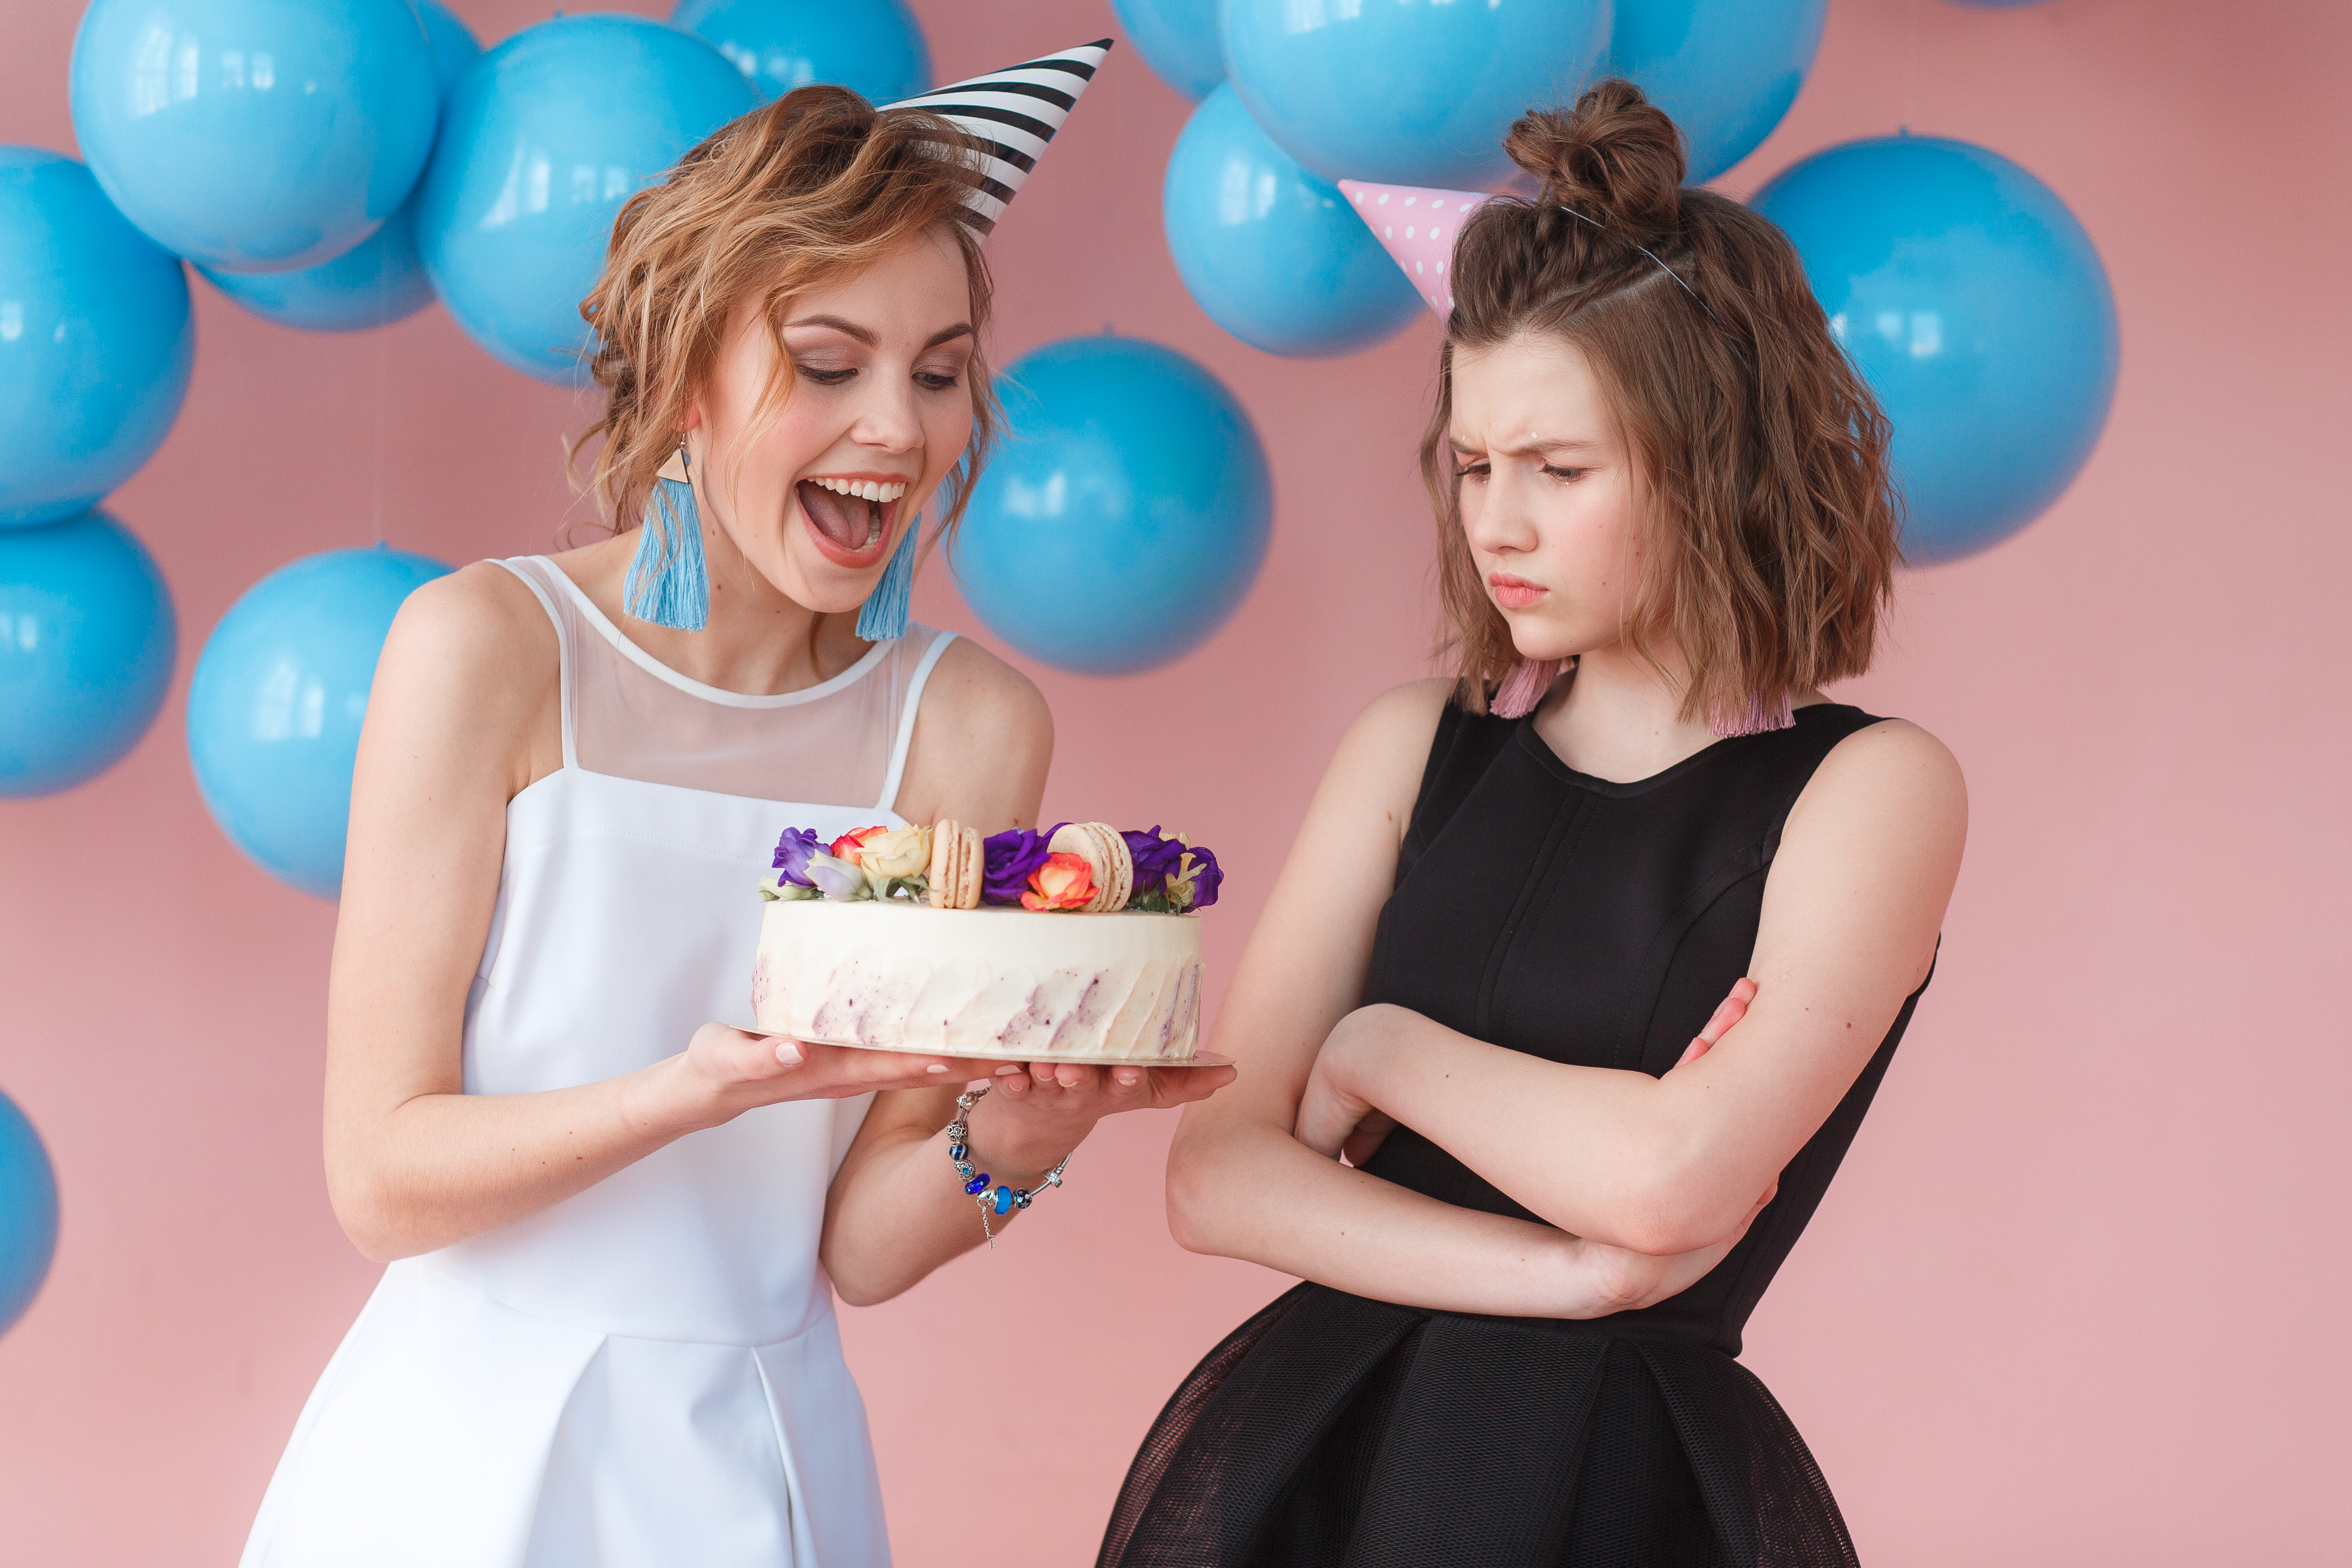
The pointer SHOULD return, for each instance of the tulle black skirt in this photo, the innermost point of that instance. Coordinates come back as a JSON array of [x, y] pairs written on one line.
[[1333, 1430]]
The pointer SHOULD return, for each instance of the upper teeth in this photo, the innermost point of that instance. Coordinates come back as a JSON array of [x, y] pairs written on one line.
[[865, 490]]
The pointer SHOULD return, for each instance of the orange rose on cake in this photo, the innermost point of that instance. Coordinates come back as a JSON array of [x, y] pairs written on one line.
[[1062, 882], [849, 845]]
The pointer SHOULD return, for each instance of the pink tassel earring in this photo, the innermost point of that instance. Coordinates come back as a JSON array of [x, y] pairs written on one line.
[[1525, 685], [1755, 719]]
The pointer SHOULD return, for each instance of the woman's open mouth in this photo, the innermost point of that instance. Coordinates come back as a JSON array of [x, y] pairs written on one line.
[[850, 518]]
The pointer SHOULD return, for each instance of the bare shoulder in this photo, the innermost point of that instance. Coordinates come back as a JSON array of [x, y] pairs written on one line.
[[1876, 837], [976, 707], [477, 619], [1390, 739], [1893, 769], [471, 660], [984, 743], [1406, 713], [1375, 776]]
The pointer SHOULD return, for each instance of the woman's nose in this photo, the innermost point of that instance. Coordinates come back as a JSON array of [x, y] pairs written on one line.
[[887, 419], [1502, 520]]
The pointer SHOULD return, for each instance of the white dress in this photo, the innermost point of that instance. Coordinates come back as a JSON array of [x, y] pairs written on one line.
[[649, 1373]]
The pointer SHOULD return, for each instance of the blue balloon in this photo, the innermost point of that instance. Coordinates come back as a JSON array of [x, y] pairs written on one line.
[[1407, 94], [88, 639], [29, 1214], [1177, 39], [1978, 310], [454, 45], [874, 47], [275, 707], [1276, 256], [544, 140], [1126, 514], [254, 135], [1726, 70], [382, 280], [96, 344]]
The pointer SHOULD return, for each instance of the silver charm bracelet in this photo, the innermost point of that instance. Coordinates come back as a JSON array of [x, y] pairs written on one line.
[[1003, 1199]]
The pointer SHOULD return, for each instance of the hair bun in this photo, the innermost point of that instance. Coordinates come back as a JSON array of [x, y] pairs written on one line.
[[1615, 157]]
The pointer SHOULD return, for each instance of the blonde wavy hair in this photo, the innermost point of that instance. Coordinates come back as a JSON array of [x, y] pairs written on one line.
[[813, 188]]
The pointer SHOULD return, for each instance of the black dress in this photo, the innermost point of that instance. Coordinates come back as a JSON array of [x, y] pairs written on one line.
[[1583, 922]]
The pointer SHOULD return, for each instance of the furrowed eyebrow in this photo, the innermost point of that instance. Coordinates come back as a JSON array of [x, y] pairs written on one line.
[[1528, 448]]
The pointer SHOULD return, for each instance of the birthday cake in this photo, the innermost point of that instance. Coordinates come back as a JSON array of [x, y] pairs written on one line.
[[1077, 943]]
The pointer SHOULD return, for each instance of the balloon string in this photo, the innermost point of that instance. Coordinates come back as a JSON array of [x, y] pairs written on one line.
[[1126, 189], [383, 358], [1910, 60]]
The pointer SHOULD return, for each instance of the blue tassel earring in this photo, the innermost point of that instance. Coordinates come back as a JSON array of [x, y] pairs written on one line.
[[883, 614], [668, 583]]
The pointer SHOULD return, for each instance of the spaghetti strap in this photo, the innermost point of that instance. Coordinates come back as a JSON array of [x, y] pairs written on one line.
[[913, 705], [521, 566], [648, 1371]]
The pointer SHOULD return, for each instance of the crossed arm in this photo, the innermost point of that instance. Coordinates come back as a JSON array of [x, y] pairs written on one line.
[[1646, 1182]]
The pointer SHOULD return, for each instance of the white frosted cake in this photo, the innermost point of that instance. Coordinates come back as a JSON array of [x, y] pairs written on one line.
[[994, 982], [1074, 945]]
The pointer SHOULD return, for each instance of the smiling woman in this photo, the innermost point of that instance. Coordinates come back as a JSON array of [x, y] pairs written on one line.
[[614, 1230], [835, 200]]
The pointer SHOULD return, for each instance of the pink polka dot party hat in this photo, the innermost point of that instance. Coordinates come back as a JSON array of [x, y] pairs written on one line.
[[1417, 226]]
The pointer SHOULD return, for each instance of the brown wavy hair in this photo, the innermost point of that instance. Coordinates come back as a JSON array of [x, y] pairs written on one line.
[[810, 189], [1768, 506]]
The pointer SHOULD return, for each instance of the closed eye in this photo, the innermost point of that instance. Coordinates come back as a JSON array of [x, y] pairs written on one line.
[[1568, 475], [1473, 471], [823, 377]]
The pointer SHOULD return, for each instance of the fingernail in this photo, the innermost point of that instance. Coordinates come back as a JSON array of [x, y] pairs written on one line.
[[936, 1067], [1129, 1076], [788, 1053], [1007, 1067]]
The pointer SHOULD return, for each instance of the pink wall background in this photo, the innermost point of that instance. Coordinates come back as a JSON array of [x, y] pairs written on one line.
[[2077, 1295]]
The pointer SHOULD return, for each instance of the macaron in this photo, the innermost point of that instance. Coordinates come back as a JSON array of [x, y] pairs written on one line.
[[1107, 856], [958, 860]]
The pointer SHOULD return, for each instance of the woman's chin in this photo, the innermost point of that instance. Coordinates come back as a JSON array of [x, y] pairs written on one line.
[[1537, 650], [810, 580]]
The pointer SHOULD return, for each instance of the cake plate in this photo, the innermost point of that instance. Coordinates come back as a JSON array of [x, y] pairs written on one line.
[[1198, 1059]]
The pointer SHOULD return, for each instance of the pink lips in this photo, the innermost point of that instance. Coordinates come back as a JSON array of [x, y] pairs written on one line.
[[1514, 592]]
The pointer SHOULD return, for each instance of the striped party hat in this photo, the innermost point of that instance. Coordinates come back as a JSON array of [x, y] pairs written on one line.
[[1417, 226], [1012, 113]]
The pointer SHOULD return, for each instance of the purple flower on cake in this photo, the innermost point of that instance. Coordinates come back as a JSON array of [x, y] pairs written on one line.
[[1156, 855], [793, 852], [1007, 861], [1193, 884], [837, 878], [1172, 867]]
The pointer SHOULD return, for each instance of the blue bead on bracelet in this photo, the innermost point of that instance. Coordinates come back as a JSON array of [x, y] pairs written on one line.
[[1003, 1199]]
